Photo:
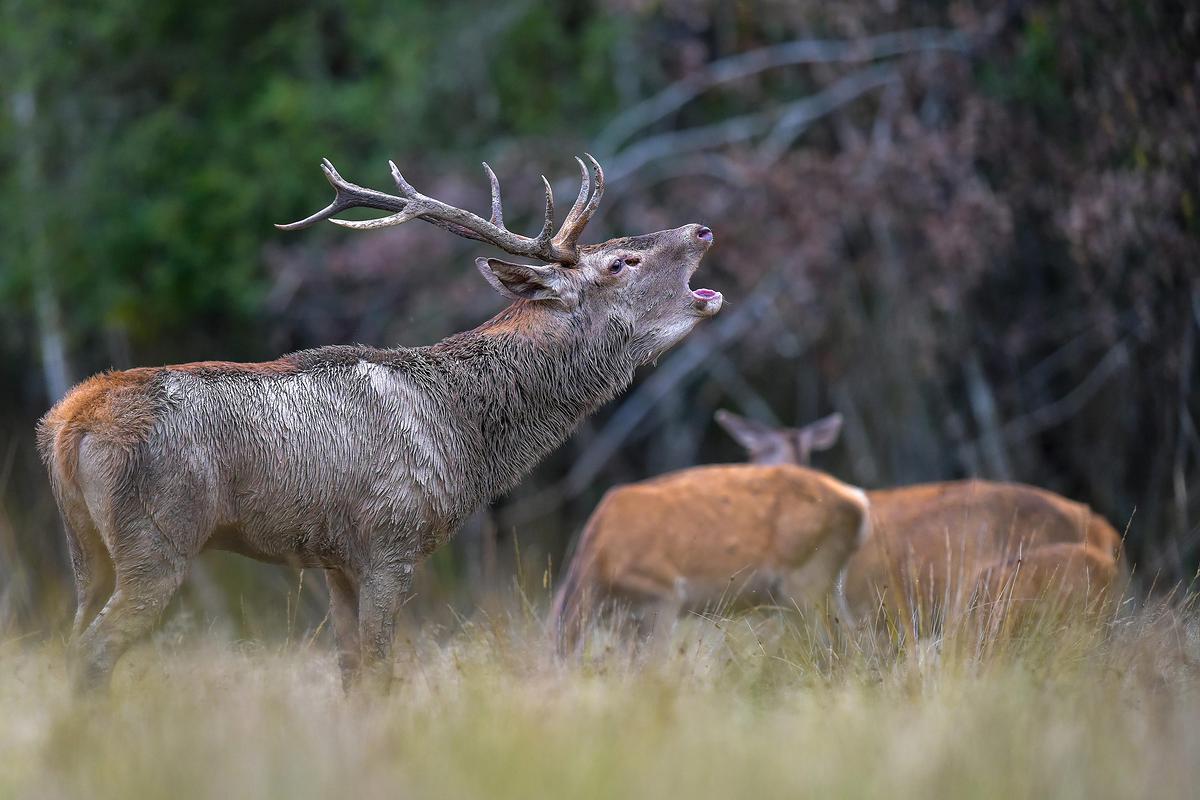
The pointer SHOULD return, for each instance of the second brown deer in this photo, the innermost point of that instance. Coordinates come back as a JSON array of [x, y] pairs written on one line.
[[909, 557]]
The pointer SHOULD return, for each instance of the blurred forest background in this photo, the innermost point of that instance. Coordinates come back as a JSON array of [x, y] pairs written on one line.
[[970, 227]]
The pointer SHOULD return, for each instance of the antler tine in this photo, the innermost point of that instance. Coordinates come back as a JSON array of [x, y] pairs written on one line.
[[497, 209], [406, 188], [594, 200], [547, 232], [581, 212], [413, 207], [585, 189], [346, 195]]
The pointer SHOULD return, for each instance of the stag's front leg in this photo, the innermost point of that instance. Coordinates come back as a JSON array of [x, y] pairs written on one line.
[[381, 593], [343, 612]]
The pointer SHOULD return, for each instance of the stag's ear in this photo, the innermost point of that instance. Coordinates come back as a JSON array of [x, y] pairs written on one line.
[[820, 435], [749, 434], [528, 282]]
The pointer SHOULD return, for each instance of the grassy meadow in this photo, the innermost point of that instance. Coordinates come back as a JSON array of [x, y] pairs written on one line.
[[765, 705]]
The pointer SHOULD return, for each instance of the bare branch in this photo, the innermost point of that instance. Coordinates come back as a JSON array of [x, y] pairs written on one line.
[[803, 51], [802, 114], [789, 120], [1070, 404]]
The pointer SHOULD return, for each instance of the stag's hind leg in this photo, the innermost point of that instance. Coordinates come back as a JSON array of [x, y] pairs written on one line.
[[142, 593], [149, 569], [91, 564]]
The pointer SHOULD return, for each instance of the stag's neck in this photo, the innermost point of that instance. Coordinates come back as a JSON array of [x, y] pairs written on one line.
[[526, 379]]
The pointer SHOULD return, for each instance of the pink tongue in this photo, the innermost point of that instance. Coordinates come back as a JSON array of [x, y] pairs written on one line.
[[704, 294]]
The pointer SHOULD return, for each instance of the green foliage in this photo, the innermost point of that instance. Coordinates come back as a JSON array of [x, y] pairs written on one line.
[[166, 138]]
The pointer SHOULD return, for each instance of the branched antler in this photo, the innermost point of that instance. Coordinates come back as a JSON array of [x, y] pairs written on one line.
[[561, 247]]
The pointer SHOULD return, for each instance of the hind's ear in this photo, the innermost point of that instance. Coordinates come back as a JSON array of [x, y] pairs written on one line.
[[752, 435], [529, 282], [820, 435]]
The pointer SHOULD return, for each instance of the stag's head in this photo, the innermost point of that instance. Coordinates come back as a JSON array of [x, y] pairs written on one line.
[[641, 283], [766, 444]]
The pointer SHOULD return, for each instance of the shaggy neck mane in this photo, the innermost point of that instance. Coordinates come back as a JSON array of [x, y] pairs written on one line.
[[527, 377]]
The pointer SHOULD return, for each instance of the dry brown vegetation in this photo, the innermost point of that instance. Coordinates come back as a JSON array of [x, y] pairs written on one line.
[[767, 704]]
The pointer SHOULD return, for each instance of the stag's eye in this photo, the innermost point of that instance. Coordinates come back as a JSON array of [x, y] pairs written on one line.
[[616, 265]]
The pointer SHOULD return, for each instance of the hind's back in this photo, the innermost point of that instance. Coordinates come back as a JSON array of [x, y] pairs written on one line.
[[930, 542]]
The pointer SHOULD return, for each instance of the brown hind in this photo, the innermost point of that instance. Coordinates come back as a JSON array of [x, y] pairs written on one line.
[[936, 549], [713, 536]]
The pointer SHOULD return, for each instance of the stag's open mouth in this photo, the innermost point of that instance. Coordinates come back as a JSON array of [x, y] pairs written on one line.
[[707, 302]]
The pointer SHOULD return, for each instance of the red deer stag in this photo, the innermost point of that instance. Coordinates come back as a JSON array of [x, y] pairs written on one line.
[[357, 460]]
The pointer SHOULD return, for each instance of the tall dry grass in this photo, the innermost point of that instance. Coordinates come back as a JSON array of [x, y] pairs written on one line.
[[764, 705]]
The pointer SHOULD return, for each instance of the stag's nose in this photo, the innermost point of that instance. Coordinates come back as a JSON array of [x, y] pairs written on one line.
[[704, 234]]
